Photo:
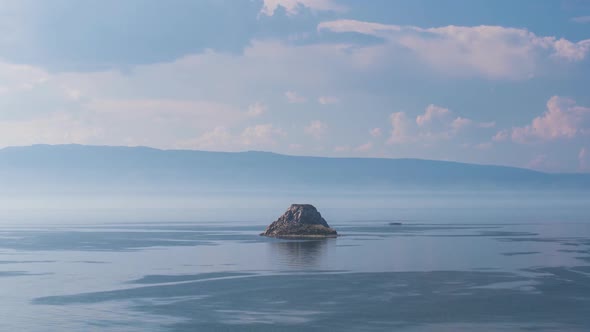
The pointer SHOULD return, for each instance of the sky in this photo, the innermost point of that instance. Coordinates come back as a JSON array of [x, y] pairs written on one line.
[[493, 82]]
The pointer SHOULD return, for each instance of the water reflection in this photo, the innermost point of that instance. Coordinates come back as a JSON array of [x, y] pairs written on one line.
[[300, 253]]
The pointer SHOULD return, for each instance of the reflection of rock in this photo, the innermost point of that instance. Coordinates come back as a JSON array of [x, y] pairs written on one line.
[[300, 220], [300, 253]]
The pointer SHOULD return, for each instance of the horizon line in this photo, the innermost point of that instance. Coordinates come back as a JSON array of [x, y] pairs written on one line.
[[284, 155]]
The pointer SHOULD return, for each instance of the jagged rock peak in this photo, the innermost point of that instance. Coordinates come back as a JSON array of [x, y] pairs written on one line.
[[305, 214], [300, 220]]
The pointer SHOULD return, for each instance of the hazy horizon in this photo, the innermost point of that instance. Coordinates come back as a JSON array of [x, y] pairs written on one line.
[[105, 170], [278, 153]]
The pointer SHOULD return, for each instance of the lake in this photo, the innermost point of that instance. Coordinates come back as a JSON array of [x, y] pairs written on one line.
[[442, 269]]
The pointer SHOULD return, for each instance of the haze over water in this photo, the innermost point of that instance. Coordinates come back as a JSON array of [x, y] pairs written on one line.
[[478, 267]]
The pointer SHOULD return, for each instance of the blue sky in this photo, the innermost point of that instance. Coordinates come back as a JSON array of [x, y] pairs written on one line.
[[495, 82]]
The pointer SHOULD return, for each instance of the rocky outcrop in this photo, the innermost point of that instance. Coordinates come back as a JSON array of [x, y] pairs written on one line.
[[300, 220]]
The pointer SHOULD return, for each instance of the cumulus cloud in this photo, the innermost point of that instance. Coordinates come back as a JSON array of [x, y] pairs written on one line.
[[316, 129], [220, 138], [292, 7], [460, 123], [494, 52], [440, 123], [501, 136], [262, 134], [571, 51], [376, 132], [563, 119], [432, 114], [399, 128], [257, 109], [364, 147], [434, 124], [295, 98], [327, 100]]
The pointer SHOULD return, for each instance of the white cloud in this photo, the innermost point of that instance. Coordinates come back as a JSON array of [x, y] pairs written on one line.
[[501, 136], [571, 51], [327, 100], [220, 138], [316, 129], [494, 52], [581, 19], [440, 122], [257, 109], [364, 147], [295, 98], [292, 7], [376, 132], [433, 113], [399, 128], [436, 123], [563, 119], [263, 134], [460, 123]]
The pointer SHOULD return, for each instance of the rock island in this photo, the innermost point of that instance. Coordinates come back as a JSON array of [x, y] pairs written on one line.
[[300, 221]]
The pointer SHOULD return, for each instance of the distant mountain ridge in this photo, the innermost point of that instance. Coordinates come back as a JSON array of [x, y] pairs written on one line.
[[80, 168]]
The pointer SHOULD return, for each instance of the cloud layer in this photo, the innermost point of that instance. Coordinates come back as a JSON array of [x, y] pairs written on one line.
[[293, 76], [494, 52]]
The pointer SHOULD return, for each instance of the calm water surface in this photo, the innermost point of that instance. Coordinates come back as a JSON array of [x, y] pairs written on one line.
[[441, 270]]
